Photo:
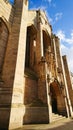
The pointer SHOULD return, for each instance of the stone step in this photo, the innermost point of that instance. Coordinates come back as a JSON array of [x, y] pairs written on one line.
[[56, 117], [63, 112]]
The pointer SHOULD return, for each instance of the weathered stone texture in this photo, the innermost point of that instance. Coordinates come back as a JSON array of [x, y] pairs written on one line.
[[40, 114], [6, 12], [3, 42], [67, 73], [34, 79], [30, 91], [71, 75]]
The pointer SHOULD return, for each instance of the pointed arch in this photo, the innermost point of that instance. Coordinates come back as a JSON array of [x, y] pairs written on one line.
[[46, 40], [57, 98], [4, 33], [2, 19], [30, 48]]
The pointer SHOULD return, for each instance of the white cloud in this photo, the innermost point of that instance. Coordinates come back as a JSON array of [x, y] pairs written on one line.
[[63, 38], [50, 19], [51, 3], [67, 50], [42, 7], [63, 47], [47, 1], [69, 53], [72, 34], [58, 16], [61, 35]]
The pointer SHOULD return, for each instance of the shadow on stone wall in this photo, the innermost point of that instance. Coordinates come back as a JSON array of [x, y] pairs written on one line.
[[5, 90], [36, 113]]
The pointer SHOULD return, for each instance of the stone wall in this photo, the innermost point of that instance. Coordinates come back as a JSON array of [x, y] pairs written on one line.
[[30, 91], [15, 50], [27, 97], [71, 76], [6, 12], [17, 63], [36, 115], [3, 42], [68, 79]]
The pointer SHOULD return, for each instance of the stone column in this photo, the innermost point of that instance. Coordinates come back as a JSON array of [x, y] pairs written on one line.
[[48, 72], [48, 95], [43, 86], [55, 55], [69, 86], [61, 74], [42, 81], [40, 33], [41, 36], [63, 79], [58, 59], [13, 71]]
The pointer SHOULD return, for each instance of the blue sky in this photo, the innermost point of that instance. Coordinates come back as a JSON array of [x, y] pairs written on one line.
[[60, 16], [11, 1]]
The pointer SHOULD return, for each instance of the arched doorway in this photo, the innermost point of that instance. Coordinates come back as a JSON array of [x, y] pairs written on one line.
[[3, 42], [57, 99], [53, 100]]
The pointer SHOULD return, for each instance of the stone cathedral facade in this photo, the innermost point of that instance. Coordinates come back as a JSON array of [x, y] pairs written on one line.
[[34, 76]]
